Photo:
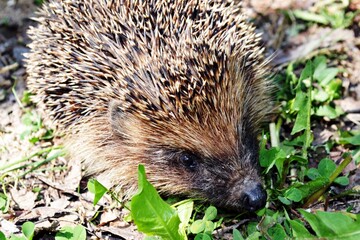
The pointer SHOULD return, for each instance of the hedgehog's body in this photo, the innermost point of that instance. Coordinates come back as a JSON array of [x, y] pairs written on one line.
[[175, 85]]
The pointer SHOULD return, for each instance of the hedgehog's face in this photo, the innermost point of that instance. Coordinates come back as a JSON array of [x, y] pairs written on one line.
[[233, 186], [213, 163]]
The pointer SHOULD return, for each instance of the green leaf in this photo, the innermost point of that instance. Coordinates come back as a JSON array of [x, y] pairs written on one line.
[[326, 167], [299, 101], [299, 231], [202, 236], [254, 236], [294, 194], [2, 202], [302, 118], [210, 213], [328, 111], [209, 227], [284, 200], [271, 157], [184, 211], [343, 181], [151, 214], [320, 95], [28, 230], [97, 189], [333, 225], [303, 101], [354, 140], [310, 17], [2, 236], [326, 75], [313, 173], [277, 232], [316, 225], [311, 187], [14, 237], [197, 226], [237, 235], [71, 233]]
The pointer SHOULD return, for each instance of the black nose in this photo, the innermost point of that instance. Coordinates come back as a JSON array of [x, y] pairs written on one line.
[[254, 198]]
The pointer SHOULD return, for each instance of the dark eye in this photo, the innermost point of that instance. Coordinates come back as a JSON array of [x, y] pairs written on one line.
[[189, 161]]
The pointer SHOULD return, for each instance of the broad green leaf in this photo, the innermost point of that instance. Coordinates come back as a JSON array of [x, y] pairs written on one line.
[[333, 225], [302, 118], [294, 194], [254, 236], [306, 73], [202, 236], [184, 211], [209, 227], [328, 111], [284, 200], [334, 89], [210, 213], [326, 75], [28, 230], [2, 202], [299, 231], [97, 189], [79, 232], [336, 221], [277, 232], [344, 181], [311, 187], [2, 236], [302, 101], [14, 237], [319, 228], [326, 167], [354, 140], [71, 233], [151, 214], [271, 157], [319, 65], [197, 226], [237, 235], [151, 238], [313, 173], [299, 101], [320, 95]]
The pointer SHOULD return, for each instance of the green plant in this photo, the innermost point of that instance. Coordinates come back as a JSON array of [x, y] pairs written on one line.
[[71, 233], [205, 226]]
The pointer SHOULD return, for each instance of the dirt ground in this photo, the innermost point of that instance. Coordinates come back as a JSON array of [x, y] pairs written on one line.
[[60, 202]]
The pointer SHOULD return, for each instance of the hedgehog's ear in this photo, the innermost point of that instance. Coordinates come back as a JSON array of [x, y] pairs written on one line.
[[117, 117]]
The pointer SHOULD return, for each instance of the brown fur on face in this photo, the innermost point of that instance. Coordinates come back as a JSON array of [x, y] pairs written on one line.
[[175, 85]]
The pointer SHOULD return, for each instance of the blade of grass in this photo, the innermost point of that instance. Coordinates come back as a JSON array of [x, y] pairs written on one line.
[[38, 153]]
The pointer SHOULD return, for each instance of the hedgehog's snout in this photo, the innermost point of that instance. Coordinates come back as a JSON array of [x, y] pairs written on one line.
[[253, 197]]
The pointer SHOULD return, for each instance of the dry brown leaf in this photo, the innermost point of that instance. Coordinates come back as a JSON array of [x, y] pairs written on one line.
[[24, 198], [315, 38], [8, 227], [41, 213], [60, 203], [128, 232], [73, 177], [108, 216], [349, 104], [353, 117]]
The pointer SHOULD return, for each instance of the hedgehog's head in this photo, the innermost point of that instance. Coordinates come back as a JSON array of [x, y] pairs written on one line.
[[199, 137]]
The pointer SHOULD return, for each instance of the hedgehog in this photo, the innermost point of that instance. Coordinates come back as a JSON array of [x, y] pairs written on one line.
[[179, 86]]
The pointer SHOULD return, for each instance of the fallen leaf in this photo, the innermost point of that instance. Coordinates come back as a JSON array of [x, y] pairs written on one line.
[[24, 198]]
